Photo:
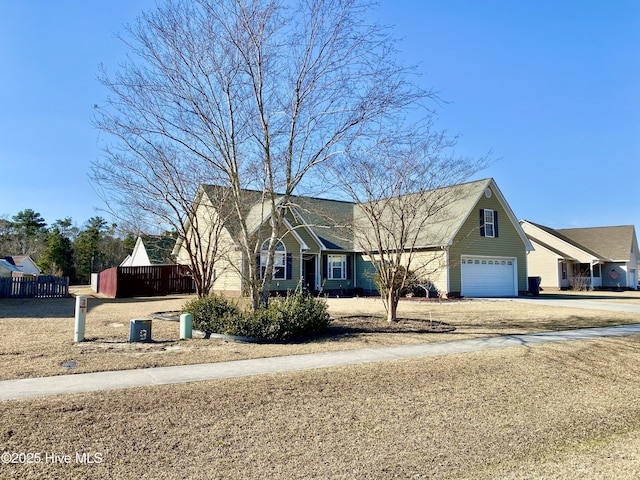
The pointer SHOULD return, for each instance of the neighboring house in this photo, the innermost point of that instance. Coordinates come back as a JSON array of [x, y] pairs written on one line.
[[477, 243], [7, 269], [150, 250], [23, 265], [597, 257]]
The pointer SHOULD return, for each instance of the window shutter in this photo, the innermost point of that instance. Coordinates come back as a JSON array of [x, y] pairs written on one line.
[[482, 234], [495, 223], [324, 266], [289, 266], [349, 267], [260, 275]]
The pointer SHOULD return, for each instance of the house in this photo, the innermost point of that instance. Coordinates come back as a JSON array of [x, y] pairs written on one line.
[[7, 269], [476, 241], [150, 250], [19, 265], [583, 258]]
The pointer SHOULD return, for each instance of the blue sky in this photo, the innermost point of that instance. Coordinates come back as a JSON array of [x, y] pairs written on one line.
[[551, 88]]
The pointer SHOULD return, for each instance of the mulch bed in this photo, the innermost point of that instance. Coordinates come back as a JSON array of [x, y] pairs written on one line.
[[375, 324]]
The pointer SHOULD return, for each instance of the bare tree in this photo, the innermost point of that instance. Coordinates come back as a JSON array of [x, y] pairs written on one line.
[[250, 94], [397, 181]]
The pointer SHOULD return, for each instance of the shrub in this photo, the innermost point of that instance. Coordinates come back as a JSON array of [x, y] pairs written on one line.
[[211, 313], [294, 316], [286, 318]]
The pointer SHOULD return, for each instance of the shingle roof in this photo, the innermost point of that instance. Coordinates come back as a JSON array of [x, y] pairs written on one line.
[[564, 238], [329, 219], [158, 248], [612, 243]]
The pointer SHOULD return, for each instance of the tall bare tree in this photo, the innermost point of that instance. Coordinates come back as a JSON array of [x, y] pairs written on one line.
[[246, 94], [397, 180]]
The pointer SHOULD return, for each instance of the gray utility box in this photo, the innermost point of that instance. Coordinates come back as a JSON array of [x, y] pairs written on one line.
[[140, 331]]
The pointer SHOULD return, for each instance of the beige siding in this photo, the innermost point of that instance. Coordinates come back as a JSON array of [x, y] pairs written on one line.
[[228, 263], [544, 264], [468, 241], [431, 266]]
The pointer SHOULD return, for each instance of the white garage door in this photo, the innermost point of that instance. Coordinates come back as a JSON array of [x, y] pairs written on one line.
[[489, 277]]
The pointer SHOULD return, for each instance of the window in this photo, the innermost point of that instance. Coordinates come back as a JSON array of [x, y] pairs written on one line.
[[488, 223], [337, 265], [279, 260]]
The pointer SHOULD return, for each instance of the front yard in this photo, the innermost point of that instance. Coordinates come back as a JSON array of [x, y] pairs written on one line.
[[37, 334], [558, 411]]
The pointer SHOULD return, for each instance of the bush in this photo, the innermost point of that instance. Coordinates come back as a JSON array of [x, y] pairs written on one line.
[[286, 318], [211, 313], [294, 316]]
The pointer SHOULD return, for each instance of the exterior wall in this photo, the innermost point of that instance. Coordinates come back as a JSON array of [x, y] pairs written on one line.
[[139, 257], [544, 264], [468, 241], [614, 275], [364, 273], [227, 271], [227, 266], [292, 247], [428, 265], [432, 266], [28, 267]]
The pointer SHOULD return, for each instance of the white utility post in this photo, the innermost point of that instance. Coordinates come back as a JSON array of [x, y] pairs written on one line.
[[81, 315], [186, 321]]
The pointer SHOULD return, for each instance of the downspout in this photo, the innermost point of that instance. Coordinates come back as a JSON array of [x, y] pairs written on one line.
[[446, 270]]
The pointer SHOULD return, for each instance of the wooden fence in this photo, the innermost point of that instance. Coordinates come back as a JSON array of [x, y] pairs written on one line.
[[42, 286], [126, 282]]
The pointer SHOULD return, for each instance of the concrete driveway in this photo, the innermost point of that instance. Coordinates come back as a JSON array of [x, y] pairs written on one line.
[[601, 304]]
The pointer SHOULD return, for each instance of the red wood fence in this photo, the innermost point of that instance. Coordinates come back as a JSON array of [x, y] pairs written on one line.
[[126, 282]]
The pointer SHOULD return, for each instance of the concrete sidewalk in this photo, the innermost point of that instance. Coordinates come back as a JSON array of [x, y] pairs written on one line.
[[89, 382]]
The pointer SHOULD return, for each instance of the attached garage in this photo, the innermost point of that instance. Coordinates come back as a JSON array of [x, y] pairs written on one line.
[[489, 277]]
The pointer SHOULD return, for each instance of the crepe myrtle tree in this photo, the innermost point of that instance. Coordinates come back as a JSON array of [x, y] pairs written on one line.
[[246, 94], [397, 179]]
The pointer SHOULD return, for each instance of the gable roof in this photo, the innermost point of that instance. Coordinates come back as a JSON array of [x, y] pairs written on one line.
[[459, 203], [562, 237], [613, 243], [327, 219], [603, 243]]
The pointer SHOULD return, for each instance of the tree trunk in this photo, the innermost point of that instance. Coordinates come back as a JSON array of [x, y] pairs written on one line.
[[392, 306]]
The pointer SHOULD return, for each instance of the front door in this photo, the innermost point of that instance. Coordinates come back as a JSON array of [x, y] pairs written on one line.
[[309, 272]]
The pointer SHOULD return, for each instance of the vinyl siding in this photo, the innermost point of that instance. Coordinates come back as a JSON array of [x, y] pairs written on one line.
[[293, 248], [365, 273], [544, 264], [431, 266], [468, 241]]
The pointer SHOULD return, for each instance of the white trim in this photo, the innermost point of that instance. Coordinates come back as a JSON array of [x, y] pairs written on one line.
[[303, 222], [295, 234]]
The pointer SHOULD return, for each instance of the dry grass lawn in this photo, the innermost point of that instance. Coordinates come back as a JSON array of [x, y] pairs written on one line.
[[557, 411], [37, 334]]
